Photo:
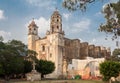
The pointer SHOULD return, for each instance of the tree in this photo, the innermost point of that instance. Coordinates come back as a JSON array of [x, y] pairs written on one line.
[[112, 15], [12, 65], [116, 52], [17, 65], [116, 55], [1, 39], [109, 69], [32, 57], [11, 58], [74, 5], [27, 66], [45, 67], [20, 47], [1, 70]]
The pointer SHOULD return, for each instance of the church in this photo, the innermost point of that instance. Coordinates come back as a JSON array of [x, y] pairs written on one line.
[[54, 46]]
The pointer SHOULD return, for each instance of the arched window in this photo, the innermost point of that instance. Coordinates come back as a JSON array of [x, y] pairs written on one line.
[[57, 27], [43, 48], [52, 28], [57, 20]]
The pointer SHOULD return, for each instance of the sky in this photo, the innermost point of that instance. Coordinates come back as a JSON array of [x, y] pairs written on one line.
[[15, 16]]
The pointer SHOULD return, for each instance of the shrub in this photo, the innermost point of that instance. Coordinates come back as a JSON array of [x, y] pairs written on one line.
[[109, 69], [77, 77], [45, 67]]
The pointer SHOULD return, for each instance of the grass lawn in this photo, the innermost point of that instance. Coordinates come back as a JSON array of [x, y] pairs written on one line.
[[59, 81]]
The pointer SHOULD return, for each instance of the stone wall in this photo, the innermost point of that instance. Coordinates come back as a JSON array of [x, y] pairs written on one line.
[[85, 68], [91, 49], [74, 49]]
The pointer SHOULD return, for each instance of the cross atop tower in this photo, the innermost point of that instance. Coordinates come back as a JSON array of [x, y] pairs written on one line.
[[33, 19], [56, 9]]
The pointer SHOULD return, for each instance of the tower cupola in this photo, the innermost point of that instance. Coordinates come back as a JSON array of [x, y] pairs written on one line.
[[56, 23], [33, 28]]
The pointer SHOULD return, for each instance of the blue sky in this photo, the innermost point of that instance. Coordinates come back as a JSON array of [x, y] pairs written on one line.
[[15, 15]]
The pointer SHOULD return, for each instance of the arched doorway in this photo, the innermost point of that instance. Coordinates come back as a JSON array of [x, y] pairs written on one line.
[[94, 68]]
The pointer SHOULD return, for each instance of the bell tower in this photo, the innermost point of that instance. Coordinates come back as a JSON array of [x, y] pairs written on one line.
[[56, 23], [32, 35], [56, 38]]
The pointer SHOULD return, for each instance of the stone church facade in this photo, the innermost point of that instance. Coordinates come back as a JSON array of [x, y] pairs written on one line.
[[59, 49]]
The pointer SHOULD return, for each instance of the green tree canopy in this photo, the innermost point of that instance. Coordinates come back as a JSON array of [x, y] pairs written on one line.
[[11, 59], [116, 52], [31, 54], [112, 15], [109, 69], [45, 67], [1, 69], [74, 5], [19, 46], [27, 66], [1, 39], [116, 55]]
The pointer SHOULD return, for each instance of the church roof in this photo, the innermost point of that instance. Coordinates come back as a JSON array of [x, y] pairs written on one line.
[[56, 13], [32, 24]]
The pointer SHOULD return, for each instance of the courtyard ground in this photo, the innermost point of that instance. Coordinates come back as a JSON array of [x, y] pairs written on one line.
[[58, 81]]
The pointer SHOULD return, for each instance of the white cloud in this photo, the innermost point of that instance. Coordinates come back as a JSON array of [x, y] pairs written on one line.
[[81, 40], [82, 25], [5, 35], [100, 41], [42, 3], [66, 15], [113, 1], [43, 25], [94, 40], [51, 8], [98, 14], [1, 14]]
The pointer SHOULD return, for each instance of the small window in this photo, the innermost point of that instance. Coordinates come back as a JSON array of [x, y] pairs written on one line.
[[57, 20], [50, 55], [43, 48], [57, 27], [29, 28], [52, 29]]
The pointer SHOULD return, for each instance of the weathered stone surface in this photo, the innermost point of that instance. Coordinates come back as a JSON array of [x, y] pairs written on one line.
[[56, 47], [86, 68], [33, 76]]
